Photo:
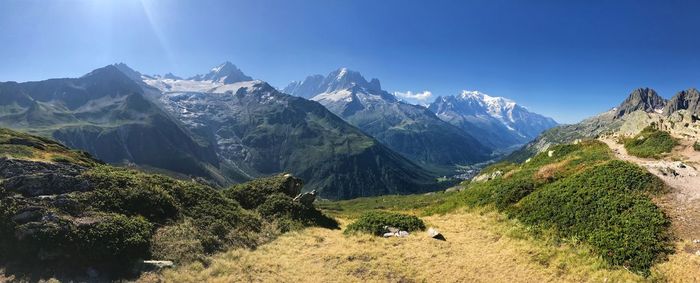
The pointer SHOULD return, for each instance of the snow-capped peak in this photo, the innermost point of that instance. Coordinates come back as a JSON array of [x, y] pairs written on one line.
[[219, 68], [490, 100], [226, 73], [341, 73]]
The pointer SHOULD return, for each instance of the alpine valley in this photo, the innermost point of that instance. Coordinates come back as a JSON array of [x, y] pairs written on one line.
[[351, 139]]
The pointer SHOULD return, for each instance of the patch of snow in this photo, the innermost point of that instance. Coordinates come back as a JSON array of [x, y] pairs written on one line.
[[334, 96], [234, 87]]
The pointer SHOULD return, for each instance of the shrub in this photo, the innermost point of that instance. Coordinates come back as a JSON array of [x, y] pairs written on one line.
[[578, 192], [115, 238], [252, 194], [111, 240], [373, 222], [607, 207], [179, 243], [650, 143], [696, 146], [291, 214], [151, 202]]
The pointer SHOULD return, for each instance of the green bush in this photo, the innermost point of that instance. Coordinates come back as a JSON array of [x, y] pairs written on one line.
[[293, 214], [585, 196], [607, 206], [696, 146], [151, 202], [181, 242], [112, 240], [373, 222], [650, 143], [254, 193], [115, 238]]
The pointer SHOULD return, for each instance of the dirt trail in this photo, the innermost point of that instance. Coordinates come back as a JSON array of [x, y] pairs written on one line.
[[678, 171]]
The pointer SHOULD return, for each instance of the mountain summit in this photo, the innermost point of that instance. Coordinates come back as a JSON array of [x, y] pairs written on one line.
[[684, 100], [226, 73], [340, 79], [645, 99], [499, 122]]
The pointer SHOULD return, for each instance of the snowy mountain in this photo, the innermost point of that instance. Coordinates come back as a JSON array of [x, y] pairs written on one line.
[[225, 73], [259, 131], [499, 122], [409, 129]]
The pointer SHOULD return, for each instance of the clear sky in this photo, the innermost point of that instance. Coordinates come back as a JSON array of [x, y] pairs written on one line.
[[564, 59]]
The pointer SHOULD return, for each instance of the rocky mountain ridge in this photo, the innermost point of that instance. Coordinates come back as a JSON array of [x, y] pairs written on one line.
[[641, 108]]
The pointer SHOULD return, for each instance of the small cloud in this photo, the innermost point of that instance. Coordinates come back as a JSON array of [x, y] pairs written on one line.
[[419, 96]]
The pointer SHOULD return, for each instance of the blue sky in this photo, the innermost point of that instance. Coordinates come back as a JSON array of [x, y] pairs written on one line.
[[564, 59]]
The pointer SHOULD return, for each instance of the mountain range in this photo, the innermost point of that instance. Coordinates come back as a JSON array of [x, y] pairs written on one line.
[[497, 122], [350, 139], [408, 129], [642, 107], [221, 125], [106, 113]]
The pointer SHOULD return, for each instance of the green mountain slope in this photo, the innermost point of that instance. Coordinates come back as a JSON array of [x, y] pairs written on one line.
[[260, 131], [61, 211], [105, 113]]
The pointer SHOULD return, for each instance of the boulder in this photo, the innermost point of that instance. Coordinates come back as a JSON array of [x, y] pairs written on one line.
[[391, 229], [159, 264], [153, 265], [45, 184], [291, 185], [453, 189], [488, 177], [394, 232], [306, 199], [435, 234]]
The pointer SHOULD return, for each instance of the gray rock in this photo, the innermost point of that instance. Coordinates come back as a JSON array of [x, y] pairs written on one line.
[[28, 214], [306, 199], [391, 229], [453, 189], [645, 99], [487, 177], [435, 234], [684, 100], [45, 184], [292, 185], [158, 264]]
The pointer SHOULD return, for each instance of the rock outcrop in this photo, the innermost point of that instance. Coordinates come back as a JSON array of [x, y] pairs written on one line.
[[684, 100], [644, 99]]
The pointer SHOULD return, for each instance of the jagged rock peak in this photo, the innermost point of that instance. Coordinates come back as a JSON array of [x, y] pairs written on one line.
[[340, 79], [226, 73], [171, 76], [645, 99], [686, 99]]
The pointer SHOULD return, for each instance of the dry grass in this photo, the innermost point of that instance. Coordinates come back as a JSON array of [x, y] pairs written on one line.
[[683, 266], [481, 247], [547, 173]]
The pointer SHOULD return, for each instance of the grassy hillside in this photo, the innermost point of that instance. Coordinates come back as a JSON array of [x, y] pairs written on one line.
[[579, 193], [24, 146], [62, 210], [650, 142]]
